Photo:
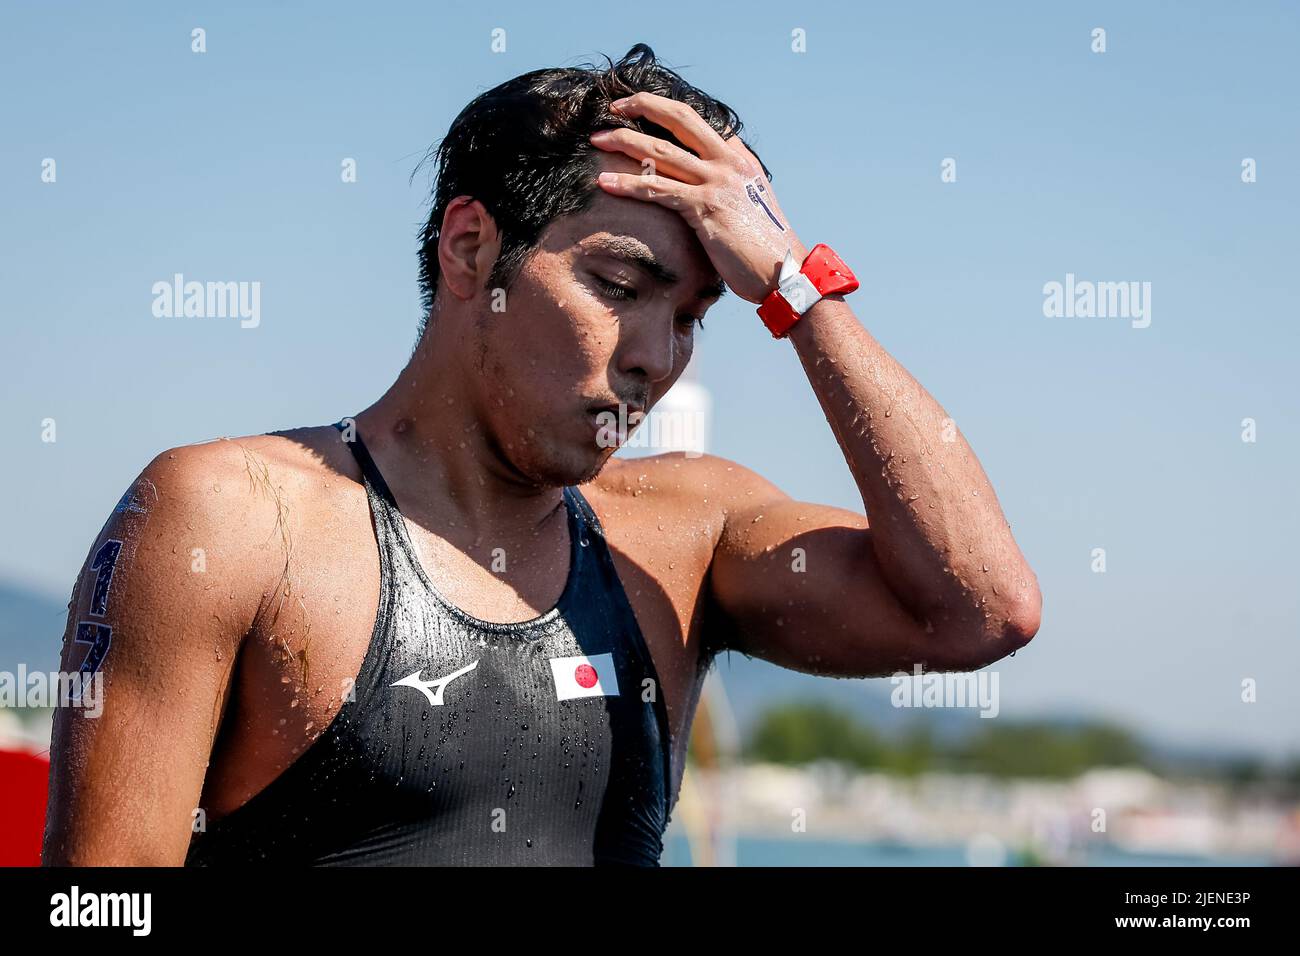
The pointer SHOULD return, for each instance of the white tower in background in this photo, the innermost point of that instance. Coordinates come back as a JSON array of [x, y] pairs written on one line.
[[680, 422]]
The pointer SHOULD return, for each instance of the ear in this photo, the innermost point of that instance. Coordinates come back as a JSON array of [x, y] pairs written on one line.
[[468, 246]]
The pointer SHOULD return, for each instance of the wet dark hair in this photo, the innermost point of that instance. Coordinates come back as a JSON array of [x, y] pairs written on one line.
[[521, 149]]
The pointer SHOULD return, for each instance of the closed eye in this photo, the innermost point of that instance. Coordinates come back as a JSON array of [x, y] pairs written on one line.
[[614, 290], [620, 292]]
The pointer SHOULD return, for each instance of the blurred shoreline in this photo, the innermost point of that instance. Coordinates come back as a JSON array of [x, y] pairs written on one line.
[[1120, 816]]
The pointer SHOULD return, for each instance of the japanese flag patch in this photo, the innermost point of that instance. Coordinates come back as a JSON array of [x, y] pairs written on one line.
[[584, 676]]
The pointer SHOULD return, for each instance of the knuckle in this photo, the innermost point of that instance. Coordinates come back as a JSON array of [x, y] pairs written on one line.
[[710, 203]]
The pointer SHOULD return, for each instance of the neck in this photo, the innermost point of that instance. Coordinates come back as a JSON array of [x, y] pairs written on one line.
[[427, 436]]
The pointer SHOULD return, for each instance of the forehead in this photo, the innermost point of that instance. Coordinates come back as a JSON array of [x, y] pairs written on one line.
[[664, 231]]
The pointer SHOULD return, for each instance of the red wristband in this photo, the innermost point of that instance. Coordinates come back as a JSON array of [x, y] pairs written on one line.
[[823, 273]]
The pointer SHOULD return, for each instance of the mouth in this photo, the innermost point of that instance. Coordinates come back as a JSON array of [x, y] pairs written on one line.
[[614, 422], [618, 410]]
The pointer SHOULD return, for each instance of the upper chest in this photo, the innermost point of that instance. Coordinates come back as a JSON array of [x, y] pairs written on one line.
[[302, 661]]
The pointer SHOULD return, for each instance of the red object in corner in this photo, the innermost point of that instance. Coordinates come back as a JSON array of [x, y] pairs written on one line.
[[24, 786]]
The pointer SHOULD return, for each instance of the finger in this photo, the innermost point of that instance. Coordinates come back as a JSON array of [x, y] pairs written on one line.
[[677, 117], [669, 193], [665, 156], [750, 164]]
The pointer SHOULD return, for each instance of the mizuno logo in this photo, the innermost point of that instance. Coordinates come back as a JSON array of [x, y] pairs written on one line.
[[427, 687]]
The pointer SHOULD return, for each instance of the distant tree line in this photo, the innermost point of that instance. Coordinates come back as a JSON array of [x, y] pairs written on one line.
[[806, 732]]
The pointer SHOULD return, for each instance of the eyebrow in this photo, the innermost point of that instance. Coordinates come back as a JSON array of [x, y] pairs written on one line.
[[637, 253]]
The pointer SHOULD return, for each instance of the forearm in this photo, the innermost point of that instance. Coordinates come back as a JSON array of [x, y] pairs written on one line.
[[937, 529], [937, 533]]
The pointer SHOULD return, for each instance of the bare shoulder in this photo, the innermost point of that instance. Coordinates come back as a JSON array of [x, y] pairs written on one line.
[[740, 514], [235, 480], [687, 483], [676, 510], [299, 454], [226, 505]]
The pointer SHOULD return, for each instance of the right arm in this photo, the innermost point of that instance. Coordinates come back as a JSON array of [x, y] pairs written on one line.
[[124, 782]]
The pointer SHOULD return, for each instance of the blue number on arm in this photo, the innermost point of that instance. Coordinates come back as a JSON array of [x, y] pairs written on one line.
[[105, 561], [99, 637]]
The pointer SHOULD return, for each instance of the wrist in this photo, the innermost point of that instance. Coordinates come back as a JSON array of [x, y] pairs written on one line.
[[803, 282], [800, 253]]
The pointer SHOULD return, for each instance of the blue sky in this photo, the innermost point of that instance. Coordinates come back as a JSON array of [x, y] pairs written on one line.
[[1120, 166]]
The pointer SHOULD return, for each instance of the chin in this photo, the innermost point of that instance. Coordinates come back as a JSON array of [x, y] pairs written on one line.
[[555, 467], [588, 468], [597, 467]]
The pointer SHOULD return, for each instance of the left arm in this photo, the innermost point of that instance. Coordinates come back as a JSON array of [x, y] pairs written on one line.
[[936, 578], [939, 536]]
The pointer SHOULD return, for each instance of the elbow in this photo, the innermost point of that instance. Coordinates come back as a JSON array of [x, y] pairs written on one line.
[[1022, 618], [1000, 630]]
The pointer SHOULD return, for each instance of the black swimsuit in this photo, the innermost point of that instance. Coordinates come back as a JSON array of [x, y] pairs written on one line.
[[473, 743]]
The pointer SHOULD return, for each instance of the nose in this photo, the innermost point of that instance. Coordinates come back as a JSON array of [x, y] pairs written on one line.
[[649, 349]]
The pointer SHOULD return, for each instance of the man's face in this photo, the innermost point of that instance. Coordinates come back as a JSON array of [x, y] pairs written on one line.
[[603, 312]]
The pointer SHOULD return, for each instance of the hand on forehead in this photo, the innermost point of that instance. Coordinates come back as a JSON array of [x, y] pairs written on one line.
[[668, 235]]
